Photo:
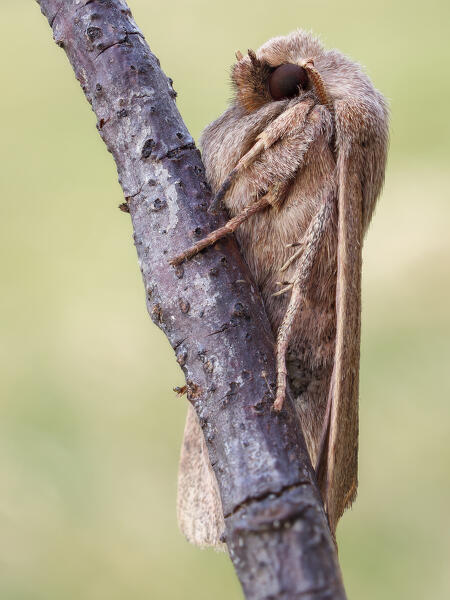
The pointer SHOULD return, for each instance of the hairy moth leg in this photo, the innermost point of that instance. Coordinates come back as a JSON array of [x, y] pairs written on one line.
[[291, 120], [311, 248]]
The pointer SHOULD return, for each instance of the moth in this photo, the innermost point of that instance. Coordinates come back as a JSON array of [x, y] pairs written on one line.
[[298, 160]]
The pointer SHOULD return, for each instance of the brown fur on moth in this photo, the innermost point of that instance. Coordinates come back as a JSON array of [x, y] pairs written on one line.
[[323, 145]]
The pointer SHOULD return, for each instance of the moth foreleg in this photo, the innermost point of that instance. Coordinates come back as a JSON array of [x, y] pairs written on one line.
[[292, 120]]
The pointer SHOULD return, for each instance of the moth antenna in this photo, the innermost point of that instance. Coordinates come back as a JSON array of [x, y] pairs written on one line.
[[318, 84], [239, 55]]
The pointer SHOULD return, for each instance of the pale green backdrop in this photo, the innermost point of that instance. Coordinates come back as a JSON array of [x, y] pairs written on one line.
[[89, 427]]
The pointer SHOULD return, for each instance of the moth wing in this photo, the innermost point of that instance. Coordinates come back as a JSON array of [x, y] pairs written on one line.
[[199, 507], [362, 139], [342, 456]]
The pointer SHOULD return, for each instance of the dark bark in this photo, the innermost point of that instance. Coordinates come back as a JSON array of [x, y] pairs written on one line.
[[209, 308]]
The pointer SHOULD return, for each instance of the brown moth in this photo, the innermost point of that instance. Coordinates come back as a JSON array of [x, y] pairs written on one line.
[[298, 160]]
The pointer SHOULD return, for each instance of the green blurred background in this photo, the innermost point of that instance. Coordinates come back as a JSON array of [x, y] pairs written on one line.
[[89, 426]]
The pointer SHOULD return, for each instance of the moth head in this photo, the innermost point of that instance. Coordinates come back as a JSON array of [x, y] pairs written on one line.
[[276, 71]]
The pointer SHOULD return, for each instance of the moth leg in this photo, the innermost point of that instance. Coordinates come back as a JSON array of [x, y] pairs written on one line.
[[269, 199], [283, 283], [294, 257], [292, 119], [243, 163], [312, 245], [287, 286]]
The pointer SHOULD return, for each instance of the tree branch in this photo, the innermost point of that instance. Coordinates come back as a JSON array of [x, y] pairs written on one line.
[[209, 308]]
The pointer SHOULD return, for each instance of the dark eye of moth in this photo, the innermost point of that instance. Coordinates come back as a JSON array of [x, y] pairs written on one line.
[[285, 81]]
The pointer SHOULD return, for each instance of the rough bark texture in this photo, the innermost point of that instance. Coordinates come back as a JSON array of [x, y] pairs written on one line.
[[209, 308]]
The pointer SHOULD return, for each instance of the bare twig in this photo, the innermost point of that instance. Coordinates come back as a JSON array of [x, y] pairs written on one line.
[[276, 529]]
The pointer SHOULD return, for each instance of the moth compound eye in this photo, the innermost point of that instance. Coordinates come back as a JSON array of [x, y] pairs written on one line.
[[285, 81]]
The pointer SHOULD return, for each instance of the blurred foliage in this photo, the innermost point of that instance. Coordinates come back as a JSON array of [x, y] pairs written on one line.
[[89, 427]]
